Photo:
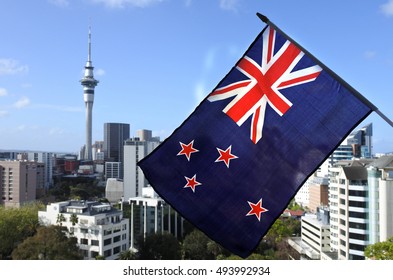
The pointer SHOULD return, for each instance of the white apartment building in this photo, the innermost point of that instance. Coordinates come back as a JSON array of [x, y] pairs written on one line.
[[380, 180], [150, 214], [99, 228], [349, 219], [136, 149], [315, 235]]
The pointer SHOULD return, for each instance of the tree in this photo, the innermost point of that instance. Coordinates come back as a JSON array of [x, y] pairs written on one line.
[[380, 250], [60, 219], [17, 224], [195, 246], [127, 255], [50, 243], [74, 219], [158, 247]]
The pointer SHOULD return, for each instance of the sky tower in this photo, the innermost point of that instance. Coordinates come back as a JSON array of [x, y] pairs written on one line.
[[89, 83]]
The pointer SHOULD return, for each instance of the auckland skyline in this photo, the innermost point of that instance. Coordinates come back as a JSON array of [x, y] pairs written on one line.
[[156, 60]]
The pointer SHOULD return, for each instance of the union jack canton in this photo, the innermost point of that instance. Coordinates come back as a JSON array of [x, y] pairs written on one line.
[[264, 82]]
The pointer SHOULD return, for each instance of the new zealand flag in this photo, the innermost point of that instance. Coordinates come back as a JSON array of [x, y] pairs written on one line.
[[235, 163]]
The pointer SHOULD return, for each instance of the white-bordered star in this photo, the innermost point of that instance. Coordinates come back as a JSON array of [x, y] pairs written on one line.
[[187, 149], [256, 209], [192, 183], [226, 155]]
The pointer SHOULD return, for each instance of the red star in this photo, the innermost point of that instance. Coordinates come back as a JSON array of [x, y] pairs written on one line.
[[226, 155], [187, 150], [192, 183], [256, 209]]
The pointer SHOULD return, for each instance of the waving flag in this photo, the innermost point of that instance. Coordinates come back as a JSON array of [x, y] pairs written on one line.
[[235, 163]]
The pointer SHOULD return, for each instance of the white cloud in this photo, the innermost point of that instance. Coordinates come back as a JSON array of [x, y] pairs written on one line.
[[123, 3], [60, 3], [60, 108], [3, 113], [209, 59], [56, 131], [3, 92], [229, 5], [387, 8], [200, 92], [369, 54], [21, 127], [99, 72], [10, 66], [22, 102]]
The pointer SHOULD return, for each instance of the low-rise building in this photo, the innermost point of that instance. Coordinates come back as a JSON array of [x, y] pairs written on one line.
[[99, 228]]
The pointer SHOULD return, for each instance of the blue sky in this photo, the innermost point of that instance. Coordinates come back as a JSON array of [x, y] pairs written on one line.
[[157, 59]]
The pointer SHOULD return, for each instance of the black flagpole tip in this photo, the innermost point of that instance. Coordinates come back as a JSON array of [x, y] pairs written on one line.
[[263, 18]]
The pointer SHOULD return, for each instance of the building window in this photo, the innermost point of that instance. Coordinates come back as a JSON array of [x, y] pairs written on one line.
[[107, 241], [94, 231], [117, 229], [116, 250], [84, 230], [107, 253], [357, 225], [84, 241], [359, 215], [342, 181], [95, 242], [116, 239]]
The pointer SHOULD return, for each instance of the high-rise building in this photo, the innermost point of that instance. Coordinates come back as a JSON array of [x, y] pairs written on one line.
[[357, 145], [136, 149], [147, 216], [48, 160], [19, 181], [349, 218], [89, 83], [98, 151], [380, 199], [318, 193], [361, 141], [114, 136]]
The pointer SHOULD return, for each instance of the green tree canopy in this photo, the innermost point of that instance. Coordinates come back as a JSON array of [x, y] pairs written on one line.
[[50, 243], [159, 247], [196, 246], [380, 250], [17, 224]]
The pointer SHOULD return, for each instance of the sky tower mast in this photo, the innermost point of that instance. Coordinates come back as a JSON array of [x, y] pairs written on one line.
[[89, 83]]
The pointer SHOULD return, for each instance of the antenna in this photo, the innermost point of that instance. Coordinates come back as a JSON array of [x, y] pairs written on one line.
[[89, 42]]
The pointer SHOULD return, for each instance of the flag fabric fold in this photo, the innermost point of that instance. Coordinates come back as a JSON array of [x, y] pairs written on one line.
[[234, 164]]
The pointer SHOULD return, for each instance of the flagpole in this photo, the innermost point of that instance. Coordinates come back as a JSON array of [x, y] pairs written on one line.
[[331, 72]]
